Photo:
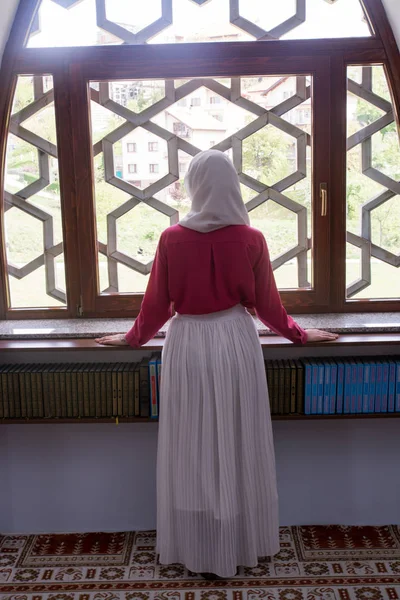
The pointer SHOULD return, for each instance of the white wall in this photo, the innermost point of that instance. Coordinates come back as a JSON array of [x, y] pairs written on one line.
[[65, 478], [8, 8], [393, 12]]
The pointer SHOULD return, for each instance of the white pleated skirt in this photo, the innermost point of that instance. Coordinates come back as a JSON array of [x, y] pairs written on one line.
[[217, 502]]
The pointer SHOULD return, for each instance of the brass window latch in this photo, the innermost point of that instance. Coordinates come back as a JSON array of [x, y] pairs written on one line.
[[323, 193]]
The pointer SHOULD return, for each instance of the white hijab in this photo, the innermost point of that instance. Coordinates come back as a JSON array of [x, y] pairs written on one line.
[[213, 186]]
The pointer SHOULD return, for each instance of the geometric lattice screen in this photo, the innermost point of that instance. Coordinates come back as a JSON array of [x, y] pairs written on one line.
[[33, 223], [100, 22], [373, 187], [144, 136]]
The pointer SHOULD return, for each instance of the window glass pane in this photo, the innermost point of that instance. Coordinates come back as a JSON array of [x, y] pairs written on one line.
[[272, 147], [33, 221], [373, 198], [105, 22]]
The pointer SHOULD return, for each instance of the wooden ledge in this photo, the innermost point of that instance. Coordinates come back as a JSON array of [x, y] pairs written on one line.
[[122, 420], [272, 341]]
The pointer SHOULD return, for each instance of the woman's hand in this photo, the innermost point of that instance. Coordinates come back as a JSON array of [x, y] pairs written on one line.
[[113, 340], [316, 335]]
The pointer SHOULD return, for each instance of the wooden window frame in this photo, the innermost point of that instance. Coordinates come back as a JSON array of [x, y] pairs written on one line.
[[73, 68]]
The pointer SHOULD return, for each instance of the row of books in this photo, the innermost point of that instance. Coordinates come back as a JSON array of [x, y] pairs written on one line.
[[351, 385], [95, 390], [85, 390]]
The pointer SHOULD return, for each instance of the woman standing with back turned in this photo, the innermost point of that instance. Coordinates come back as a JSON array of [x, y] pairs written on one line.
[[217, 502]]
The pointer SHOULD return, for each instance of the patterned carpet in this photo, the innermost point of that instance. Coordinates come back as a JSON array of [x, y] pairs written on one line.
[[314, 563]]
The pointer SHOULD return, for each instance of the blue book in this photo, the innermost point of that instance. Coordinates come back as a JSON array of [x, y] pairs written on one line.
[[347, 386], [153, 387], [365, 403], [340, 387], [333, 388], [385, 386], [327, 388], [159, 365], [360, 381], [392, 386], [307, 386], [372, 387], [353, 401], [314, 393], [397, 392], [378, 387], [321, 380]]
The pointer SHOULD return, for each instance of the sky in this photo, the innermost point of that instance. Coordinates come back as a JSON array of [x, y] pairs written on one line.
[[77, 26]]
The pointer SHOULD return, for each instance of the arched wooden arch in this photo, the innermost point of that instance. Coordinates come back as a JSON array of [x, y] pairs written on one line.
[[69, 66]]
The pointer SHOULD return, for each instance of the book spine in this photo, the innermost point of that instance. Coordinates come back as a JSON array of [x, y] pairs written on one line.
[[153, 389], [28, 391], [109, 392], [327, 389], [288, 388], [353, 402], [74, 386], [4, 390], [114, 379], [97, 392], [385, 387], [392, 384], [300, 389], [35, 408], [159, 367], [125, 390], [308, 388], [365, 404], [103, 382], [46, 394], [347, 388], [68, 390], [131, 391], [281, 388], [86, 392], [321, 381], [293, 385], [314, 393], [17, 394], [275, 388], [92, 391], [372, 387], [144, 390], [340, 388], [10, 395], [57, 391], [397, 405], [120, 387], [1, 398], [52, 393], [22, 390], [63, 391], [79, 379], [378, 389], [137, 391], [360, 381], [333, 389]]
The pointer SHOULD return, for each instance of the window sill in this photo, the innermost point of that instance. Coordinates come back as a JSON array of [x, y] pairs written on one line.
[[369, 324]]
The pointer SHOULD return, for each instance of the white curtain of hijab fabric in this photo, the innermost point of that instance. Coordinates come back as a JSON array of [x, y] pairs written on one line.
[[213, 187]]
